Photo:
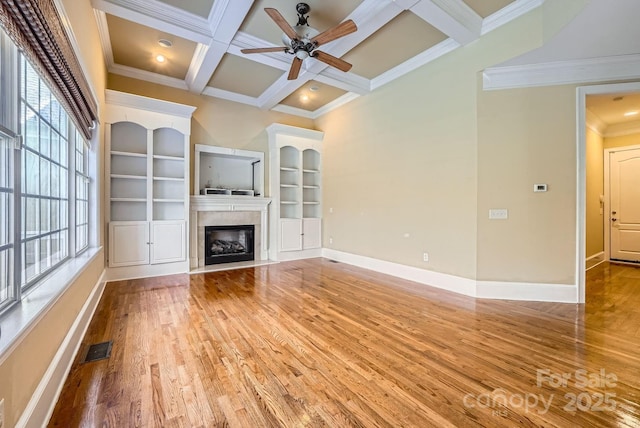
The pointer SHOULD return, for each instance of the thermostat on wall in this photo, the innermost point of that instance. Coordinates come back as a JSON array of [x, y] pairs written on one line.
[[539, 187]]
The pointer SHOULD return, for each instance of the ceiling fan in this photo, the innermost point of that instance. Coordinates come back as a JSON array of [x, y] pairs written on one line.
[[303, 41]]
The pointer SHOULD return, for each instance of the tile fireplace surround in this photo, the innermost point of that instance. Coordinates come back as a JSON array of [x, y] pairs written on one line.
[[214, 210]]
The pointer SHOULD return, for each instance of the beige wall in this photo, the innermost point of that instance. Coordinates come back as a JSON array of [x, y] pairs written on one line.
[[527, 136], [401, 164], [622, 141], [215, 122], [595, 188], [23, 369]]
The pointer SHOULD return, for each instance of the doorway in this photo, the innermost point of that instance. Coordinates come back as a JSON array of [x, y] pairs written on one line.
[[604, 97]]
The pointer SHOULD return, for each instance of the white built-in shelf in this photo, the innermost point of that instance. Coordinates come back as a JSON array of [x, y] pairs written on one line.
[[288, 169], [311, 203], [289, 185], [168, 178], [129, 177], [311, 171], [288, 202], [173, 158], [128, 200], [310, 187], [129, 154], [169, 200]]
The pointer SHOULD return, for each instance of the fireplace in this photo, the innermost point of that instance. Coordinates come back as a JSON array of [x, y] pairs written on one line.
[[226, 244]]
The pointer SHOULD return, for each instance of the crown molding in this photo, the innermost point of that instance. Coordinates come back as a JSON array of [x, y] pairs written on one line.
[[594, 122], [136, 73], [294, 131], [349, 82], [622, 129], [230, 96], [159, 15], [417, 61], [508, 14], [105, 40], [338, 102], [603, 69], [149, 104]]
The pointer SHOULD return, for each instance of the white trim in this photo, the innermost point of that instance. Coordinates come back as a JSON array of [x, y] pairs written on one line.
[[595, 256], [563, 293], [603, 69], [43, 401], [230, 96], [161, 16], [349, 82], [622, 129], [415, 62], [538, 292], [594, 123], [452, 17], [105, 39], [160, 79], [508, 14], [282, 108], [338, 102], [146, 271], [294, 131], [149, 104]]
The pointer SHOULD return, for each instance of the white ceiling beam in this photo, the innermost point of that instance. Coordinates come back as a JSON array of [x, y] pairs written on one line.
[[349, 82], [105, 40], [159, 15], [224, 21], [279, 60], [282, 88], [230, 96], [452, 17], [508, 14], [136, 73]]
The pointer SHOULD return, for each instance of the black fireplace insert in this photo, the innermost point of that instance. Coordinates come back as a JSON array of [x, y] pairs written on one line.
[[227, 244]]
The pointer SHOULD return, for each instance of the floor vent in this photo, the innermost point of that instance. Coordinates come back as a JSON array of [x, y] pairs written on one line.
[[99, 351]]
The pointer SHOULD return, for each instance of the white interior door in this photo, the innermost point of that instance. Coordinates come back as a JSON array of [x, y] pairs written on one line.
[[624, 222]]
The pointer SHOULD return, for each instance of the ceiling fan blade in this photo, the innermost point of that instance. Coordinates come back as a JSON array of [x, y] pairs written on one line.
[[340, 30], [295, 68], [282, 23], [262, 50], [338, 63]]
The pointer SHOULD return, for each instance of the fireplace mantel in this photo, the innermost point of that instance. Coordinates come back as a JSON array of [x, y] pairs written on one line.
[[229, 204]]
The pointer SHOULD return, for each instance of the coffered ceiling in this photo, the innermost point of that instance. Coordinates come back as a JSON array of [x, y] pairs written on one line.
[[393, 38]]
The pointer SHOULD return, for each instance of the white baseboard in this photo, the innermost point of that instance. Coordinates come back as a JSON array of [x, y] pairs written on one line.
[[599, 255], [145, 271], [285, 256], [43, 401], [468, 287]]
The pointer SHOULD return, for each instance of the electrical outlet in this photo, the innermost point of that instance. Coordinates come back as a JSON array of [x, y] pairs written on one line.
[[498, 214], [2, 413], [425, 257]]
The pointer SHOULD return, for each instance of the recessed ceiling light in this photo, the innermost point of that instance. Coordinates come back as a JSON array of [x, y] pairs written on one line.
[[165, 43], [304, 98], [630, 113], [314, 88], [160, 58]]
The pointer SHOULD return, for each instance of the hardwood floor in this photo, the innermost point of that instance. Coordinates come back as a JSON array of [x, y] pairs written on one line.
[[315, 343]]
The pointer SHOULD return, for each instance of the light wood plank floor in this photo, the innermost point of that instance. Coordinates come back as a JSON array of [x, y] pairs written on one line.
[[315, 343]]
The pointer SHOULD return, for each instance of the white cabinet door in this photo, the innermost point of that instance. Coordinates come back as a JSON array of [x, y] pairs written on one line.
[[312, 230], [168, 242], [290, 234], [128, 243]]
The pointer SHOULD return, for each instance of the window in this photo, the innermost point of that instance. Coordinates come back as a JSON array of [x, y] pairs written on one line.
[[44, 179], [82, 193]]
